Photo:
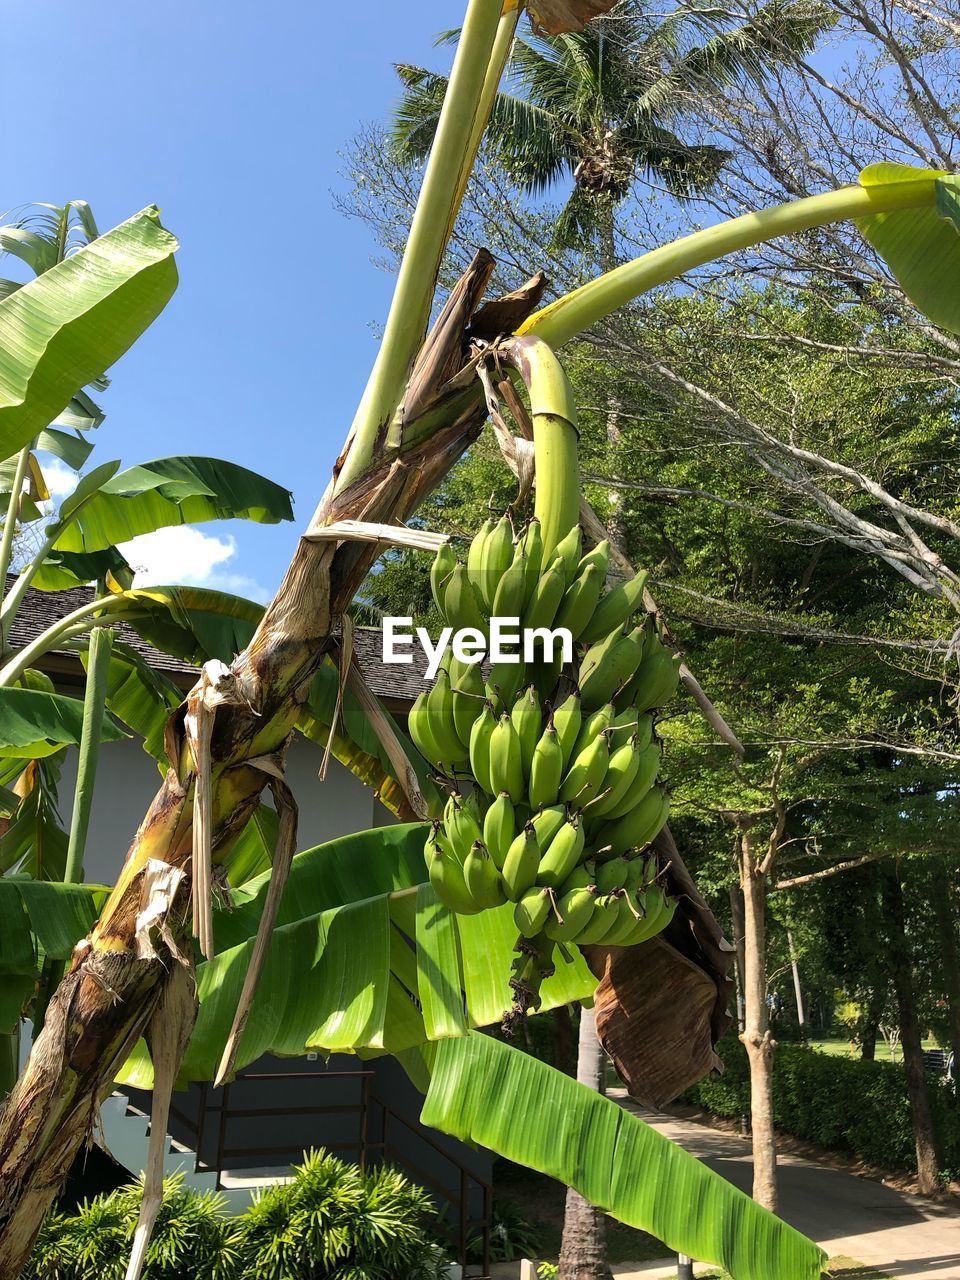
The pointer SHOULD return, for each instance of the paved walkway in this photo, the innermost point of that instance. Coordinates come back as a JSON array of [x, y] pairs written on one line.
[[901, 1235]]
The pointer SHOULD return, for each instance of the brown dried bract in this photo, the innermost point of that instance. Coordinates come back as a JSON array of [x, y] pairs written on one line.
[[553, 17]]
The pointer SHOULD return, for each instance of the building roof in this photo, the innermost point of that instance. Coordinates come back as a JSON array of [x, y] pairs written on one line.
[[395, 684]]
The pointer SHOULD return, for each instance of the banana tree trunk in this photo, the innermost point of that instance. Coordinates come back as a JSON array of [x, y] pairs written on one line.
[[118, 973], [583, 1253]]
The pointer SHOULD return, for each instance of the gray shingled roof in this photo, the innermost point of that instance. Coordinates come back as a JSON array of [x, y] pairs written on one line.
[[40, 609]]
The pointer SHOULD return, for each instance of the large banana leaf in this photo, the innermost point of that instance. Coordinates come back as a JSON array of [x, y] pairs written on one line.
[[483, 1091], [171, 491], [63, 329], [920, 246], [38, 920], [360, 944], [35, 723]]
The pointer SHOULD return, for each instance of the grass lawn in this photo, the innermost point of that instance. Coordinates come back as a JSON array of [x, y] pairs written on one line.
[[841, 1049]]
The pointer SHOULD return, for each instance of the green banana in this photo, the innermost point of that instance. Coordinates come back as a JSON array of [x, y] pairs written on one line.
[[562, 855], [605, 909], [531, 912], [526, 720], [625, 923], [579, 601], [503, 682], [511, 589], [444, 563], [442, 725], [621, 771], [466, 680], [656, 679], [648, 766], [574, 910], [476, 555], [460, 826], [582, 875], [418, 722], [615, 608], [612, 875], [609, 666], [482, 877], [592, 726], [568, 549], [499, 828], [567, 719], [446, 876], [546, 769], [480, 736], [541, 609], [547, 823], [532, 546], [519, 872], [600, 556], [506, 760], [638, 827], [585, 776], [461, 604], [497, 555], [629, 724]]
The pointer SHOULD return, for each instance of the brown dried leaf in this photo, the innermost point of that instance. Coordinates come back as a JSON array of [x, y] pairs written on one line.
[[554, 17]]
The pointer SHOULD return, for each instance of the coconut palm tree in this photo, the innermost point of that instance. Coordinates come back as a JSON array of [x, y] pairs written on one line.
[[606, 107]]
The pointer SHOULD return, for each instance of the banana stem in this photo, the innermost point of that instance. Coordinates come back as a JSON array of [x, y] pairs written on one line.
[[554, 413], [443, 184], [576, 311], [13, 507], [94, 702]]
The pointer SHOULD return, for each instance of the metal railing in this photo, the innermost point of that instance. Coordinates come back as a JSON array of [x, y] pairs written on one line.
[[216, 1107]]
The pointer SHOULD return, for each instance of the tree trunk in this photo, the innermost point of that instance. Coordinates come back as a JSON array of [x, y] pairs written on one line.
[[737, 928], [869, 1030], [928, 1170], [756, 1037], [564, 1051], [616, 524], [947, 938], [583, 1253]]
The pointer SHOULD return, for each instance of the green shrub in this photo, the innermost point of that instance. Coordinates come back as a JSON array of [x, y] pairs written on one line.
[[843, 1104], [191, 1238], [333, 1222]]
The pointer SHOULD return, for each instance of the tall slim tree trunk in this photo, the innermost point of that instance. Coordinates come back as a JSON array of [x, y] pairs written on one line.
[[737, 926], [583, 1253], [757, 1039], [946, 922], [616, 524], [928, 1169], [869, 1027]]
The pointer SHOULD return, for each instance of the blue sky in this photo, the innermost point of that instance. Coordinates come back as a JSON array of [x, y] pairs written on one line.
[[230, 117]]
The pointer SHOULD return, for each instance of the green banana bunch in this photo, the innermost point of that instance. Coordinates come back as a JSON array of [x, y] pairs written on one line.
[[466, 682], [609, 666], [443, 565]]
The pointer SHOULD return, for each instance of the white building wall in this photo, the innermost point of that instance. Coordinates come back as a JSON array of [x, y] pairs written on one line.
[[127, 779]]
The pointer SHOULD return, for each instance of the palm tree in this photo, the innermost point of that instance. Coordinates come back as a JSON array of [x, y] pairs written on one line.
[[604, 107]]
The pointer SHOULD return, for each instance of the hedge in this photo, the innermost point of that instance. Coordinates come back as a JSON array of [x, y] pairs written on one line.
[[843, 1104]]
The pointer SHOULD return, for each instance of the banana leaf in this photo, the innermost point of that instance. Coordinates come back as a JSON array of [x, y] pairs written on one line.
[[360, 944], [172, 491], [65, 328], [140, 696], [920, 246], [483, 1091], [34, 840], [36, 723], [39, 920]]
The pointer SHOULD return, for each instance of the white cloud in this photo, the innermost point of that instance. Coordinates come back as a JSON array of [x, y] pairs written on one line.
[[60, 478], [183, 554]]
